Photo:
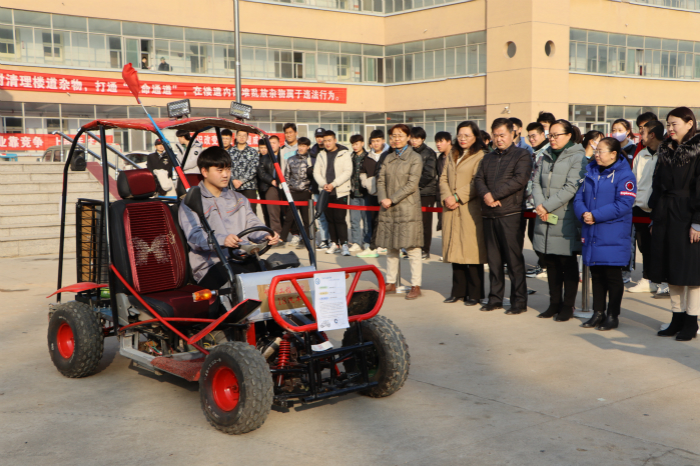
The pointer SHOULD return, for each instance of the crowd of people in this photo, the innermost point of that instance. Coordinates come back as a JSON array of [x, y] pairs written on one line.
[[579, 194]]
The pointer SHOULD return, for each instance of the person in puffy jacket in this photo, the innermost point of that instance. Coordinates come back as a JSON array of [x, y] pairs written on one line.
[[557, 180], [603, 204]]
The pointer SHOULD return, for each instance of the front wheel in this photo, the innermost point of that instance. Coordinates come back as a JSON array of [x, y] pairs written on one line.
[[388, 360], [76, 340], [235, 388]]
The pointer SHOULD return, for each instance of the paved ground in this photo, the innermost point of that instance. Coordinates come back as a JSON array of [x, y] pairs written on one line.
[[484, 389]]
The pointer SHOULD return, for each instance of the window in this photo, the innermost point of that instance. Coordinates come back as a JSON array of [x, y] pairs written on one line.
[[7, 41]]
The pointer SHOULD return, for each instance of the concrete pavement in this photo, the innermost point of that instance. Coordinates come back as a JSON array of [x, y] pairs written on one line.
[[484, 389]]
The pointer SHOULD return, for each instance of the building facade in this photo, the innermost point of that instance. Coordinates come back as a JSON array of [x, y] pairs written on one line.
[[347, 65]]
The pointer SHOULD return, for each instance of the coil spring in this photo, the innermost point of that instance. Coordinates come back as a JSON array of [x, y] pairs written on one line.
[[283, 354]]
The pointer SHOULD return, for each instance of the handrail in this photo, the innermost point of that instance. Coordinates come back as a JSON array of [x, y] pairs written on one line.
[[98, 157], [293, 277], [119, 154]]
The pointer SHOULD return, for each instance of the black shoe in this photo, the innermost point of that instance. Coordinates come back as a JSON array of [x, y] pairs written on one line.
[[565, 313], [690, 328], [594, 321], [675, 326], [531, 291], [425, 256], [491, 307], [515, 310], [609, 323], [550, 312], [451, 300], [471, 302]]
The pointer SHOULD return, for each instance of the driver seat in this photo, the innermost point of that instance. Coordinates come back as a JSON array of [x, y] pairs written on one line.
[[147, 248]]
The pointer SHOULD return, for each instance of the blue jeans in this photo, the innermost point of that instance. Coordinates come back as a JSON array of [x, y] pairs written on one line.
[[322, 232], [360, 234]]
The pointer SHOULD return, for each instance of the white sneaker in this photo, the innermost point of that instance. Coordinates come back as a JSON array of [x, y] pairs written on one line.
[[295, 240], [643, 286], [332, 249], [626, 276], [662, 290], [355, 248], [345, 251]]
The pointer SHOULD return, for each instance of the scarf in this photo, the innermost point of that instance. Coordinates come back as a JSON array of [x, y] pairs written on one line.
[[557, 152]]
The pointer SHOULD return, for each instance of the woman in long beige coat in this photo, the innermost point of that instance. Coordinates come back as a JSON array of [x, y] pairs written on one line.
[[400, 222], [462, 232]]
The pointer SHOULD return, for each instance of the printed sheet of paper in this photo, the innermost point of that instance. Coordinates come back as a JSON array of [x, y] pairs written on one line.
[[330, 301]]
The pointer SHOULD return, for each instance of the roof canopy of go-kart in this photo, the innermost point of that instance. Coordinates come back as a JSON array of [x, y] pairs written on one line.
[[188, 124]]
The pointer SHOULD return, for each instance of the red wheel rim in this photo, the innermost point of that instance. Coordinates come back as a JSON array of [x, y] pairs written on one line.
[[65, 340], [224, 386]]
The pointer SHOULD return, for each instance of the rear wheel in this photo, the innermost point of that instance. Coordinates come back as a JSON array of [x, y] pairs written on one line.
[[75, 339], [235, 388], [388, 360]]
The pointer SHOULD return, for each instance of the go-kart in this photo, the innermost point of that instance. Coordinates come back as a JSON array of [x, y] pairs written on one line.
[[263, 348]]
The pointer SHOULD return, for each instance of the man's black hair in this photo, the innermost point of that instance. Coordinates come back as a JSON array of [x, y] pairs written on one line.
[[376, 134], [356, 138], [546, 117], [535, 126], [498, 122], [443, 136], [226, 132], [418, 132], [329, 133], [516, 121], [183, 133], [214, 156], [289, 125], [646, 117], [242, 131], [485, 136], [274, 136], [657, 128], [304, 141]]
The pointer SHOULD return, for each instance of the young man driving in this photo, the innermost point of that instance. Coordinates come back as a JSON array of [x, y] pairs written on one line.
[[228, 213]]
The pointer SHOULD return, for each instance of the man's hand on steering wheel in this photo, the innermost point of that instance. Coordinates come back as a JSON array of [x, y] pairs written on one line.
[[232, 241], [272, 240]]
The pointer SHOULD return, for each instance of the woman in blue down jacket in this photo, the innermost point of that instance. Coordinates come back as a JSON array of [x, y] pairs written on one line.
[[604, 205]]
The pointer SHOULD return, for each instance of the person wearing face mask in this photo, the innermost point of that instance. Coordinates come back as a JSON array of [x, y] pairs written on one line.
[[463, 237], [557, 231], [603, 204], [590, 142], [622, 131], [675, 232]]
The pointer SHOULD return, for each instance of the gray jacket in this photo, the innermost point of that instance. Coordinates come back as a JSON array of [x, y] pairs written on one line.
[[191, 166], [228, 214], [554, 187]]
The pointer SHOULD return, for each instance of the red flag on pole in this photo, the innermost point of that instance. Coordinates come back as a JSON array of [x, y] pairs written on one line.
[[131, 77]]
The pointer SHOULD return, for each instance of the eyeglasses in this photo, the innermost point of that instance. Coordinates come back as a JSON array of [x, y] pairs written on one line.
[[555, 136], [398, 136]]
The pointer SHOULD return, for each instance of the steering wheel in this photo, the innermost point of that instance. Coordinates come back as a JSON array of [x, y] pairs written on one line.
[[255, 248]]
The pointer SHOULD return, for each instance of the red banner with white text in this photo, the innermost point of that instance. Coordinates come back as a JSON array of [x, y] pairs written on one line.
[[47, 82], [39, 142]]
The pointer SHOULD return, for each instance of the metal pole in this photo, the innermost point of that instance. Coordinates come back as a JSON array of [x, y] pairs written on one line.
[[237, 51], [585, 305]]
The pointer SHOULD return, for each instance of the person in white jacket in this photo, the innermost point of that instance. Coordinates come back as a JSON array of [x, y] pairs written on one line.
[[183, 140], [332, 172], [643, 167]]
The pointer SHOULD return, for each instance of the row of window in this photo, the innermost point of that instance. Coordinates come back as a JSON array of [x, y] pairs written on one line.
[[692, 5], [601, 117], [44, 118], [33, 38], [621, 54], [370, 6]]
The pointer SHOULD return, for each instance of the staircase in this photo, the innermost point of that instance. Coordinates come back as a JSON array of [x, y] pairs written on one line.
[[30, 196]]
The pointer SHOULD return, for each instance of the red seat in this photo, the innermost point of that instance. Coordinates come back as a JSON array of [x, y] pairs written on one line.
[[148, 248]]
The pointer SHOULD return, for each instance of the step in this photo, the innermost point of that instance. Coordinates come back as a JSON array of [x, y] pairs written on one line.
[[14, 167], [39, 176], [51, 196], [35, 245], [35, 218], [46, 186], [42, 207]]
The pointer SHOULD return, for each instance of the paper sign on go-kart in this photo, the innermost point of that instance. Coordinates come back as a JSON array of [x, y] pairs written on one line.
[[330, 301]]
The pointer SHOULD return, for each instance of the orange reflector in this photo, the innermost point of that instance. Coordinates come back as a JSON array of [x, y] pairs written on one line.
[[203, 295]]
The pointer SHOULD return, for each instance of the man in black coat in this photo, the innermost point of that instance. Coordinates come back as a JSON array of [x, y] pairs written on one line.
[[428, 183], [501, 182]]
